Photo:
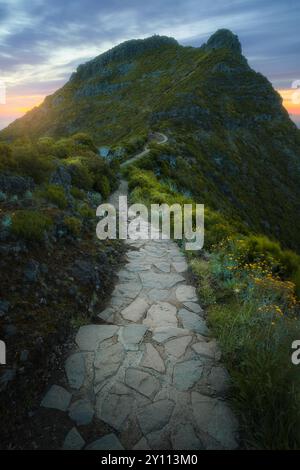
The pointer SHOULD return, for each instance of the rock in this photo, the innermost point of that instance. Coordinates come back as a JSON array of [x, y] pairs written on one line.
[[89, 336], [186, 294], [73, 440], [142, 382], [219, 379], [31, 271], [107, 362], [186, 374], [208, 350], [7, 376], [160, 281], [158, 294], [163, 333], [24, 355], [180, 267], [177, 347], [141, 445], [161, 314], [15, 184], [10, 330], [131, 335], [75, 370], [194, 307], [85, 273], [136, 310], [152, 359], [223, 38], [184, 438], [108, 442], [82, 412], [107, 314], [163, 266], [116, 407], [129, 289], [57, 397], [61, 176], [4, 306], [191, 321], [155, 416], [215, 418]]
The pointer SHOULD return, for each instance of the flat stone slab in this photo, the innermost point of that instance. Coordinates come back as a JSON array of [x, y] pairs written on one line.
[[163, 333], [75, 370], [214, 417], [107, 314], [185, 438], [163, 266], [155, 416], [192, 321], [160, 281], [142, 444], [193, 306], [158, 294], [73, 440], [177, 347], [180, 266], [142, 382], [107, 362], [128, 289], [161, 314], [131, 336], [89, 336], [108, 442], [152, 359], [125, 275], [57, 397], [186, 294], [118, 405], [136, 310], [208, 350], [219, 379], [186, 374], [82, 412]]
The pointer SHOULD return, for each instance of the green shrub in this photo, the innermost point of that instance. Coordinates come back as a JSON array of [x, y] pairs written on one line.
[[30, 224], [55, 194], [26, 161], [205, 288], [85, 140], [257, 351], [77, 193], [102, 185], [73, 225], [81, 177], [86, 211]]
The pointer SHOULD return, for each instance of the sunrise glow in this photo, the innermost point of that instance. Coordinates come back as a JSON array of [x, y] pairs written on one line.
[[291, 100]]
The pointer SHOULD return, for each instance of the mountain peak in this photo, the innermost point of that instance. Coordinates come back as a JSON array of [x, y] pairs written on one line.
[[224, 38], [126, 50]]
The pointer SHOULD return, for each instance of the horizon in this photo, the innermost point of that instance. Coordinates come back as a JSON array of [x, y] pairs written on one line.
[[41, 47]]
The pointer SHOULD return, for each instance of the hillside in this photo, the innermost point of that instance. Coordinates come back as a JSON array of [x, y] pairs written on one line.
[[231, 142], [187, 125]]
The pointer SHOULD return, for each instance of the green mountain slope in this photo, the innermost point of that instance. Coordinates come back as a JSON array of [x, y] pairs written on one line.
[[231, 143]]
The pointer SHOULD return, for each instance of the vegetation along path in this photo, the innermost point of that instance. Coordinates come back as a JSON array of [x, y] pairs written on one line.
[[150, 371]]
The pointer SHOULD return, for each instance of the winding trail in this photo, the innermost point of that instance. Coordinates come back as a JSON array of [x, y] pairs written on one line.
[[151, 371], [158, 137]]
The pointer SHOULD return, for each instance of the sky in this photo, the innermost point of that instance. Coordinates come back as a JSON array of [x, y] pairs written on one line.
[[42, 42]]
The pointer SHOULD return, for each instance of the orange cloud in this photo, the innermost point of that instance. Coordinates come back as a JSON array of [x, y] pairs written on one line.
[[17, 106], [291, 100]]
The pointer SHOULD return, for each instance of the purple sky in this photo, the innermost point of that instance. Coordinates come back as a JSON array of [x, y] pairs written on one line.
[[42, 42]]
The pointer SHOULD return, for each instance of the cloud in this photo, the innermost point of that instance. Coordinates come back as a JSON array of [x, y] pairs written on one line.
[[42, 42]]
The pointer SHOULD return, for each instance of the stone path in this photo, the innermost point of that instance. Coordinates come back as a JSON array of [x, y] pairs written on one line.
[[151, 372]]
